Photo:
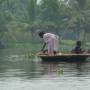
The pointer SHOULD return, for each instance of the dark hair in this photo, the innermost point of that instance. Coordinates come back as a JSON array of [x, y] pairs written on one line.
[[78, 43], [41, 34]]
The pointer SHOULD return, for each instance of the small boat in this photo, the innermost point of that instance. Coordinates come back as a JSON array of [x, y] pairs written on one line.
[[64, 57]]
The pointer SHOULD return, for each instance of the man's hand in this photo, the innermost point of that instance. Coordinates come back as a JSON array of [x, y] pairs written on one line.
[[42, 50]]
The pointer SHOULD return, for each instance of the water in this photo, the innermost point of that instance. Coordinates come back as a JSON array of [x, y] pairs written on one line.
[[18, 72]]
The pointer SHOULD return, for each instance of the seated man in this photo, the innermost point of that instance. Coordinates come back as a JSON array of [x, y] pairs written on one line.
[[52, 42], [88, 51], [77, 48]]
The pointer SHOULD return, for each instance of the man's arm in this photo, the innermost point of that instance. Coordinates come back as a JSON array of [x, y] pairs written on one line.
[[43, 46]]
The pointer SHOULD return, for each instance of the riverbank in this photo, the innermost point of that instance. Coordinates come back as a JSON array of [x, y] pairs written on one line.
[[33, 47]]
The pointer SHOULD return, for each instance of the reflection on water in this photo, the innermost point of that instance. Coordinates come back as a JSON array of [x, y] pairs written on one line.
[[22, 73]]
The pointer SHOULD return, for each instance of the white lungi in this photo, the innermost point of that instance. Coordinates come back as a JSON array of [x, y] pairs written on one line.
[[52, 41]]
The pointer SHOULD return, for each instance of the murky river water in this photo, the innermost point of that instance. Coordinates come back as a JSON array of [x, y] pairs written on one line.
[[18, 72]]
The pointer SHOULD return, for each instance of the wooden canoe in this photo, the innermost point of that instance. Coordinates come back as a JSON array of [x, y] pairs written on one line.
[[64, 57]]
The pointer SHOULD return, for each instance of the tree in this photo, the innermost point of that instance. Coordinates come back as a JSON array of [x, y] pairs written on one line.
[[79, 18], [32, 4], [32, 10], [50, 10]]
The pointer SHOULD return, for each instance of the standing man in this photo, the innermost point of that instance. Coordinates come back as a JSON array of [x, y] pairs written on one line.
[[52, 42]]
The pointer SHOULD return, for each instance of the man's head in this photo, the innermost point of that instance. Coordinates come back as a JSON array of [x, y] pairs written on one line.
[[78, 43], [41, 34]]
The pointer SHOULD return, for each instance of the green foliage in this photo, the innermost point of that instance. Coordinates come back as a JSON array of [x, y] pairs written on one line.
[[1, 1], [81, 3], [50, 10], [19, 17], [32, 9]]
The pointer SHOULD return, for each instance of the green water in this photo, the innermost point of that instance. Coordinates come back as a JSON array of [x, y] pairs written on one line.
[[20, 72]]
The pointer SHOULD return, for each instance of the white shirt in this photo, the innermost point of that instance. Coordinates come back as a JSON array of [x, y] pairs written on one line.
[[49, 36], [52, 41]]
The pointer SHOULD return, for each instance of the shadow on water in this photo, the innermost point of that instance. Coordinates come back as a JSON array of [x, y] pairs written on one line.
[[67, 69]]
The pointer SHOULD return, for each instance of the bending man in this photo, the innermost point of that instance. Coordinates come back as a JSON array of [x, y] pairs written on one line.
[[52, 42]]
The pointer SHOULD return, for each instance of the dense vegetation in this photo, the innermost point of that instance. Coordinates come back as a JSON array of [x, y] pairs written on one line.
[[20, 20]]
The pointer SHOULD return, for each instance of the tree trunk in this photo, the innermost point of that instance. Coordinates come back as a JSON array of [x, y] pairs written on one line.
[[82, 37], [1, 45]]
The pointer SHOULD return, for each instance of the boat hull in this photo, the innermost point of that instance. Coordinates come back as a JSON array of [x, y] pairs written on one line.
[[65, 57]]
